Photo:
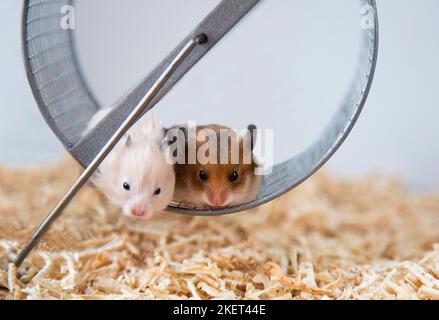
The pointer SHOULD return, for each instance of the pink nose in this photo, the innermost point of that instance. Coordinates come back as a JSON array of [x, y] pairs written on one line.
[[217, 198], [137, 212]]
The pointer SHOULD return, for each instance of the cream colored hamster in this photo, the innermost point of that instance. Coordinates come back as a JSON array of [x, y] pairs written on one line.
[[136, 175]]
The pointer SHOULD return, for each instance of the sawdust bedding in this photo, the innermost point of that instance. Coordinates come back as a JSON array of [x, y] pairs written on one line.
[[366, 238]]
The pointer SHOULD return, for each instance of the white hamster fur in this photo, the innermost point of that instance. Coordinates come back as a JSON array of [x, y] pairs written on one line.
[[136, 174]]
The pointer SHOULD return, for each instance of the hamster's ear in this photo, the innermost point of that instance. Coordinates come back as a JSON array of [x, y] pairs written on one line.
[[151, 125], [128, 141], [252, 135]]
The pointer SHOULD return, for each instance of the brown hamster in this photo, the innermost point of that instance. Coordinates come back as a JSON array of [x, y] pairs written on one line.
[[227, 179]]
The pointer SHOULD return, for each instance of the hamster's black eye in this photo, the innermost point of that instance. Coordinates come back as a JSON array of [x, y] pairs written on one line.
[[234, 176], [157, 192], [126, 186], [203, 175]]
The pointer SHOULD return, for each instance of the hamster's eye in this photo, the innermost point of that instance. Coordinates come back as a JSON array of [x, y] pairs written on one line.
[[126, 186], [157, 192], [203, 175], [234, 176]]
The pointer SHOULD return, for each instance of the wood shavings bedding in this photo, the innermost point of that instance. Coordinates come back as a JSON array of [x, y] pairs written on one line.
[[328, 239]]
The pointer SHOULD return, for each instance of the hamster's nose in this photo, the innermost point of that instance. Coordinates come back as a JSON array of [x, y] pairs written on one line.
[[217, 198], [137, 212]]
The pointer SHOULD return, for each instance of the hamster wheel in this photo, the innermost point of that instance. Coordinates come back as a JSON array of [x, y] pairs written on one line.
[[67, 105]]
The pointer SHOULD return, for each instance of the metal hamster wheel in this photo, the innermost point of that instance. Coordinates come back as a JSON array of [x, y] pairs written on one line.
[[67, 105]]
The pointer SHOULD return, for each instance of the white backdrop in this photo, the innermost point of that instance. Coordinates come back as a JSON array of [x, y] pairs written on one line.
[[397, 133]]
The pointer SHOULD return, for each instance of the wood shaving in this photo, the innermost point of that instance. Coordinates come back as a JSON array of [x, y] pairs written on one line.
[[366, 238]]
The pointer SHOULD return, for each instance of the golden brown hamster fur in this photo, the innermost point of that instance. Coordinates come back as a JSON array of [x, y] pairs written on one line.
[[217, 184]]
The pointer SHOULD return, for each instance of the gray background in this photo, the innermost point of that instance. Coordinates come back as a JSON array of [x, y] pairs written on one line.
[[285, 67]]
